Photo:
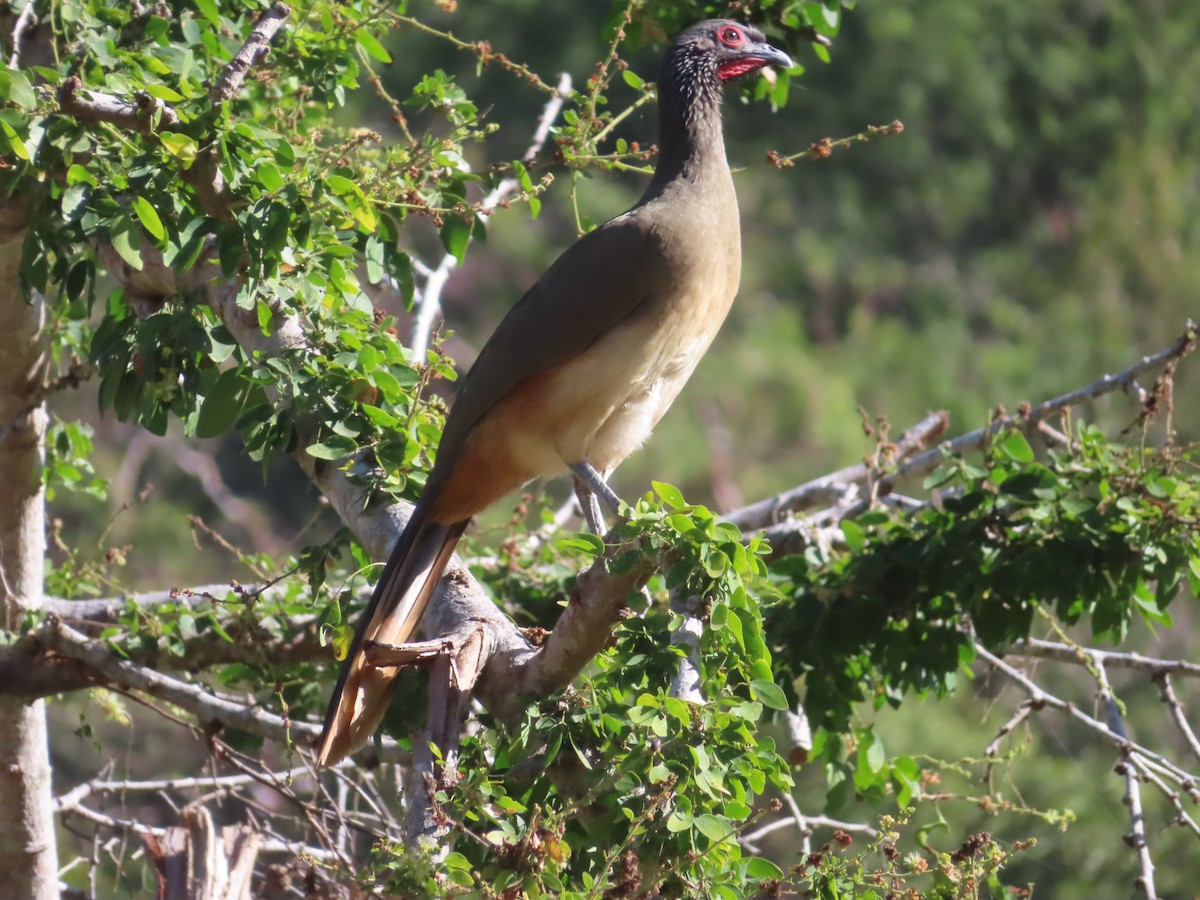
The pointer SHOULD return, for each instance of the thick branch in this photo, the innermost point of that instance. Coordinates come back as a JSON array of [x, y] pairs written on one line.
[[145, 116]]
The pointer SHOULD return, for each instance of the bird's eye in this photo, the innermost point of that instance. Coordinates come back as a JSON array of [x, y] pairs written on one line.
[[730, 36]]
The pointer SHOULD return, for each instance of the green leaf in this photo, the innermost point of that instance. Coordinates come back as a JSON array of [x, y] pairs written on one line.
[[15, 87], [126, 242], [149, 218], [164, 93], [1016, 447], [333, 447], [713, 827], [757, 867], [855, 539], [209, 9], [179, 145], [269, 176], [455, 235], [633, 79], [371, 44], [591, 544], [669, 493], [769, 693], [222, 406]]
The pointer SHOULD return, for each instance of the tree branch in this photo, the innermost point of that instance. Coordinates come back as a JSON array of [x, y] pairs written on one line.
[[429, 302], [209, 708], [830, 488], [145, 115], [256, 48]]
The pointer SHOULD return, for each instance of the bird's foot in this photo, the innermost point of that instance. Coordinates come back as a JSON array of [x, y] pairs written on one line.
[[591, 488]]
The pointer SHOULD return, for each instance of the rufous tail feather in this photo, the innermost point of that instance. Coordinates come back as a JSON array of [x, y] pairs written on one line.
[[409, 579]]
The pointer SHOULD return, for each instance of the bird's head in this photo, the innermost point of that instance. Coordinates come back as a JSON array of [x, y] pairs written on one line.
[[720, 50]]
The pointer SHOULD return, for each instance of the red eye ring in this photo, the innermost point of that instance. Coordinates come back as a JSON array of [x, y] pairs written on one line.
[[731, 36]]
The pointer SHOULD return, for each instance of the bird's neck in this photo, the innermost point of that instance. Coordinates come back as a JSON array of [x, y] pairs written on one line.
[[691, 145]]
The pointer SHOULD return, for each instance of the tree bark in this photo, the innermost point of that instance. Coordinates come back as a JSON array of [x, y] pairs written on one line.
[[28, 852]]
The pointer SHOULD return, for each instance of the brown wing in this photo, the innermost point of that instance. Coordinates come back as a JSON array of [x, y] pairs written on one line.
[[596, 283]]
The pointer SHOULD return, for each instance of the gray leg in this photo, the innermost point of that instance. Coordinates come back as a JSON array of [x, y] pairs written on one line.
[[590, 504], [592, 481]]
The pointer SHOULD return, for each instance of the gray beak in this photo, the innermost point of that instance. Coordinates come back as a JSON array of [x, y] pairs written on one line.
[[772, 55]]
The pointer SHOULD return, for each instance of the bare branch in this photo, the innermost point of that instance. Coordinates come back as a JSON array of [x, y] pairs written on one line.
[[1040, 649], [25, 21], [1133, 792], [1177, 714], [974, 440], [257, 46], [209, 708], [830, 488], [429, 302], [1039, 697]]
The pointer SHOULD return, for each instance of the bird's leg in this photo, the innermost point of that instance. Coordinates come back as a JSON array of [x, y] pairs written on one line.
[[591, 488], [589, 503]]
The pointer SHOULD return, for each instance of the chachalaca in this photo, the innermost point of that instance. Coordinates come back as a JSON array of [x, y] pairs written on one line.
[[582, 368]]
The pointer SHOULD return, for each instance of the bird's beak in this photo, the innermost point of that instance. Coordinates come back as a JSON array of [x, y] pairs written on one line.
[[771, 55]]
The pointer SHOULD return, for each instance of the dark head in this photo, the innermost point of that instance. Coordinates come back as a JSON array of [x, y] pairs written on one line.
[[705, 56]]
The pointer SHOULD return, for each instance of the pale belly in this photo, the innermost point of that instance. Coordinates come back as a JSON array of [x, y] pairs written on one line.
[[603, 404]]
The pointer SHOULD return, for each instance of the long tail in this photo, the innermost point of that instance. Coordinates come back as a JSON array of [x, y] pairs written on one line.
[[363, 692]]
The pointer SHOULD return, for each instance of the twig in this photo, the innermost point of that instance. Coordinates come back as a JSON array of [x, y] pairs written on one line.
[[257, 46], [813, 823], [1133, 791], [1024, 711], [1168, 695], [429, 305]]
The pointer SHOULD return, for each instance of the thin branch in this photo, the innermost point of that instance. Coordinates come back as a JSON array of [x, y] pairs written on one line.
[[1038, 697], [25, 21], [257, 46], [974, 440], [1133, 791], [1041, 649], [209, 708], [1177, 714], [429, 304], [830, 488]]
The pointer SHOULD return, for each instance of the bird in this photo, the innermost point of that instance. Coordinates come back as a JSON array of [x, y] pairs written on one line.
[[583, 366]]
